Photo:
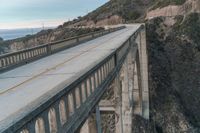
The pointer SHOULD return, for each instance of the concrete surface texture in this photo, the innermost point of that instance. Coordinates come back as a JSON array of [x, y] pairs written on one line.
[[27, 87]]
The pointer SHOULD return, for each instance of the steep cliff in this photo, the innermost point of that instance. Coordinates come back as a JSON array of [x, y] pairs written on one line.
[[174, 68], [178, 7]]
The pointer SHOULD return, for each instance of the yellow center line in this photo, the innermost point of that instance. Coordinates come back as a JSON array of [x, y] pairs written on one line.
[[2, 92]]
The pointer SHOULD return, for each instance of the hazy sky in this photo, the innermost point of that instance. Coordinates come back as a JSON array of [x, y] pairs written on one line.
[[35, 13]]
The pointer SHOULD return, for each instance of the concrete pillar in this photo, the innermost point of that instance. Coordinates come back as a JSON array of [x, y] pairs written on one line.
[[128, 92], [126, 101], [143, 63], [98, 120], [118, 105], [145, 93], [137, 91], [131, 66], [90, 125]]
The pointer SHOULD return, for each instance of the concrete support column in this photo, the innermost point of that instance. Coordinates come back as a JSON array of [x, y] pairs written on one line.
[[145, 93], [124, 93], [90, 125], [131, 67], [137, 91], [98, 120], [118, 105], [143, 62], [126, 101]]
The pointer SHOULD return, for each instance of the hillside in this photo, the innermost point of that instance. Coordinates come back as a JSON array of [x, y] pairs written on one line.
[[174, 68], [116, 11]]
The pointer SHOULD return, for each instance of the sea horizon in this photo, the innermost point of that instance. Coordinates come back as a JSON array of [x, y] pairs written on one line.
[[9, 34]]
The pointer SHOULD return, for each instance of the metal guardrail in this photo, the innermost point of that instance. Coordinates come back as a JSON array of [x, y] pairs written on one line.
[[12, 60], [66, 111]]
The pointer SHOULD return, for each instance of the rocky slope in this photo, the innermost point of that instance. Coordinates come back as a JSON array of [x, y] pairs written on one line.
[[115, 12], [174, 73], [187, 7]]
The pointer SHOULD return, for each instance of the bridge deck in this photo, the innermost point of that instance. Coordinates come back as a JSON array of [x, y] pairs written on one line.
[[25, 88]]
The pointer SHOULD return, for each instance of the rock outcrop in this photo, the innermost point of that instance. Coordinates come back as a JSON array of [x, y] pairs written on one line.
[[174, 67], [190, 6]]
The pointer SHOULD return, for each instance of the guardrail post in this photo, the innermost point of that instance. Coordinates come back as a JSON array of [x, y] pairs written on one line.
[[92, 35], [118, 106], [98, 120], [77, 39], [49, 49]]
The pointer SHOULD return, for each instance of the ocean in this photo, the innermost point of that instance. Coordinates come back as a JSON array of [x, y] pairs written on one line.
[[8, 34]]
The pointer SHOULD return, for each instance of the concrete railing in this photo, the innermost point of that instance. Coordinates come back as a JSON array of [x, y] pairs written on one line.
[[67, 110], [12, 60]]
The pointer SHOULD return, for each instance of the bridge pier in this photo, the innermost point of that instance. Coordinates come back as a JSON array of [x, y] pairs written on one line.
[[132, 86], [126, 96], [90, 125], [118, 106], [137, 92], [93, 123], [143, 62]]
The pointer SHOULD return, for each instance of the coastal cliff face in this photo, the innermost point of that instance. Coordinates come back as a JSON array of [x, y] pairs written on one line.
[[189, 6], [174, 67]]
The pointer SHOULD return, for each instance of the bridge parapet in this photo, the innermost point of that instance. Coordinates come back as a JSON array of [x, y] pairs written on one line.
[[12, 60], [67, 110]]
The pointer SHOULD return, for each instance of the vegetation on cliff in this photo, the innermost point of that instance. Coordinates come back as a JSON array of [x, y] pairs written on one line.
[[174, 68], [129, 10], [164, 3]]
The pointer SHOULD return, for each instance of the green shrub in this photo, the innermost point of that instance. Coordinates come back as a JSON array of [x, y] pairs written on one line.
[[190, 27], [132, 15], [164, 3]]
